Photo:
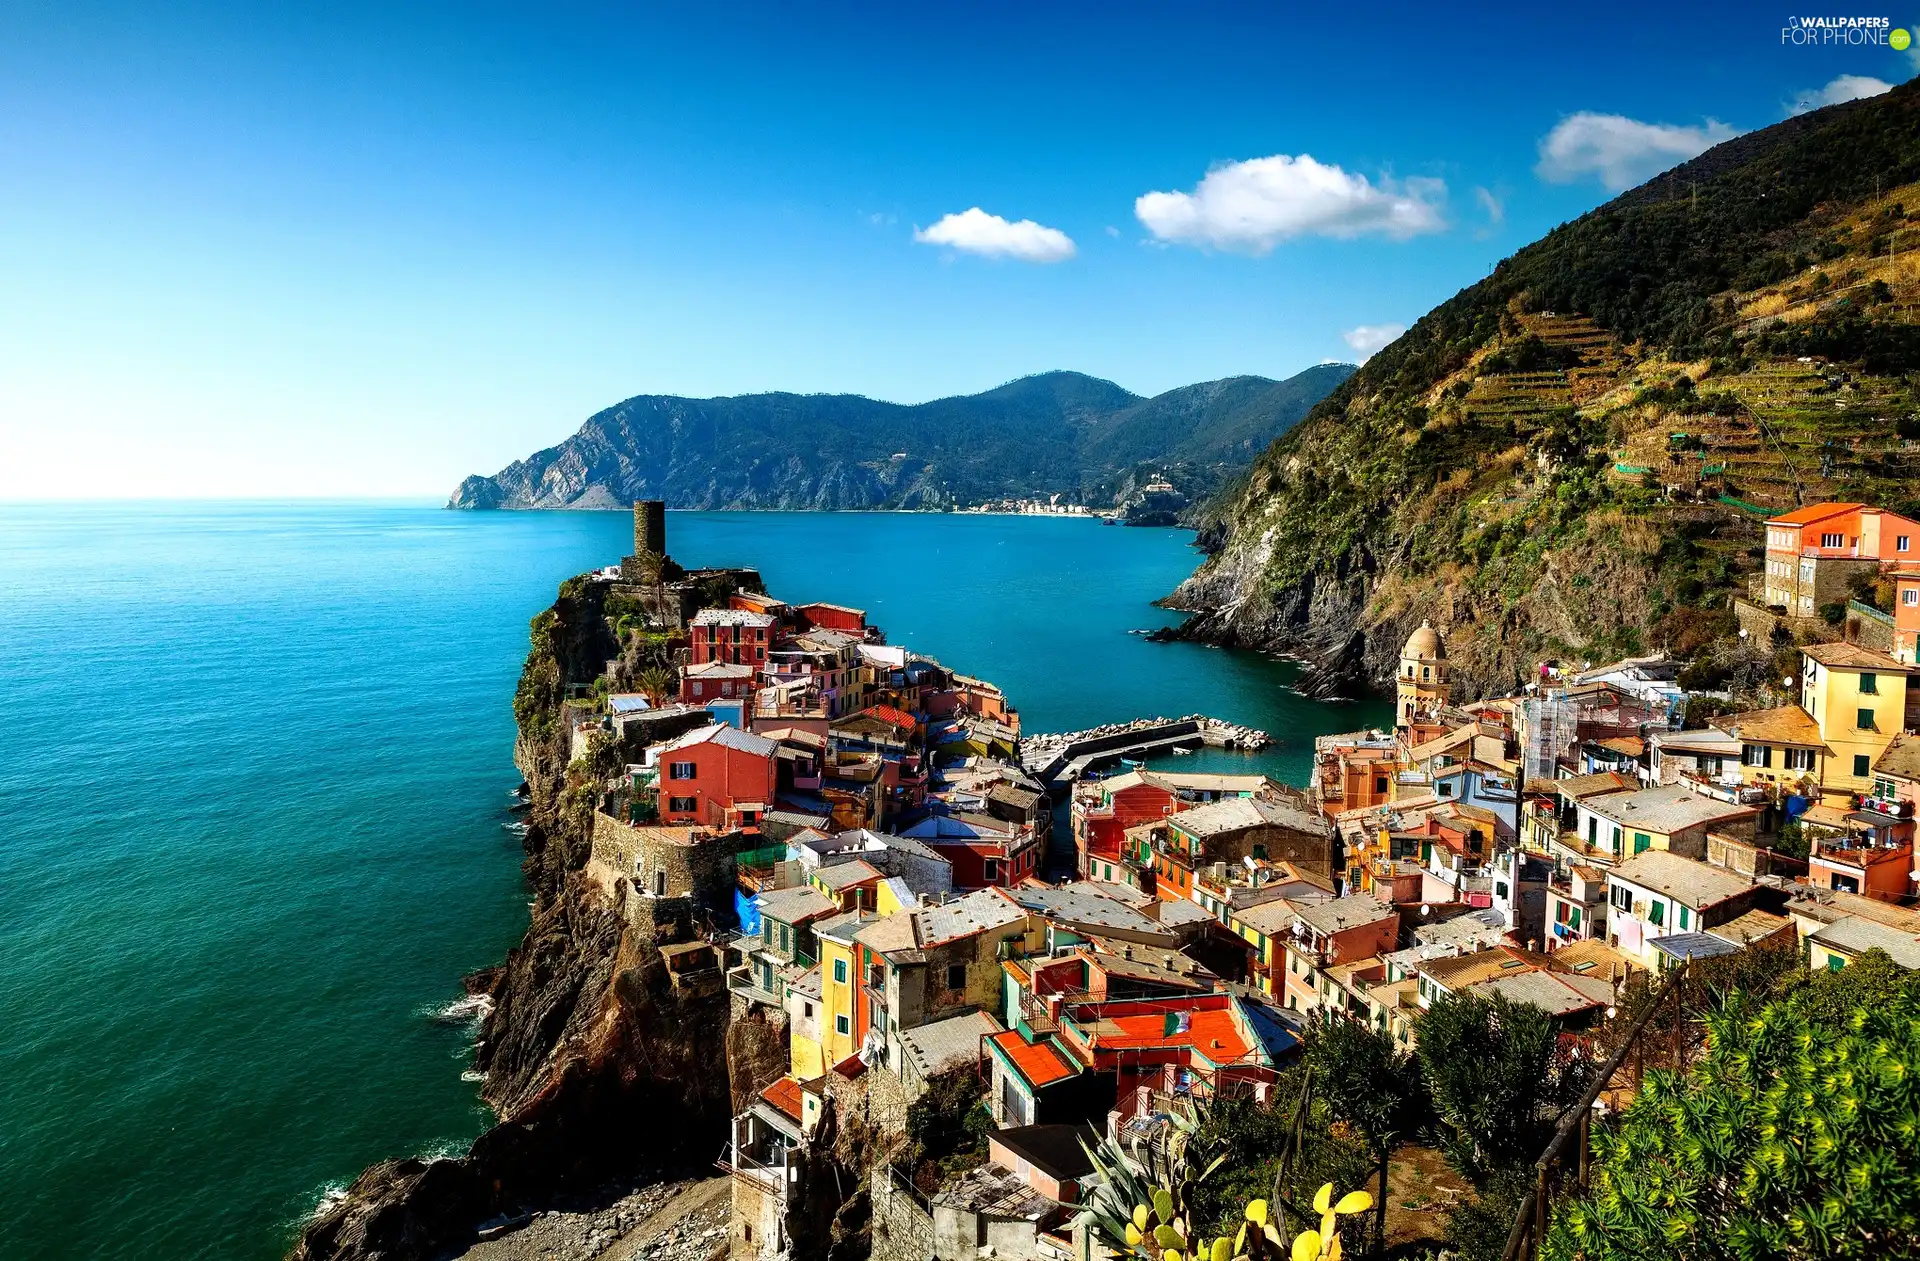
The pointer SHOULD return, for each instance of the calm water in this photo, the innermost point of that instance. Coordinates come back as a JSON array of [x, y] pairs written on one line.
[[253, 772]]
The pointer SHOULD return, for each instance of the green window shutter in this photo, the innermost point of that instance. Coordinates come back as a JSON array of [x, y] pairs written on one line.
[[1657, 914], [1835, 963], [1573, 917], [1684, 917], [1862, 765], [1641, 841]]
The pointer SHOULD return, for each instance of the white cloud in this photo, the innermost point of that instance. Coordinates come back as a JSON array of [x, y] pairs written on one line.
[[1848, 87], [1620, 151], [1370, 338], [1113, 231], [977, 232], [1249, 207], [1493, 207]]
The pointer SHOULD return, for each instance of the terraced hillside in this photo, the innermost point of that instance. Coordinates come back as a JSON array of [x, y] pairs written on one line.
[[1572, 457]]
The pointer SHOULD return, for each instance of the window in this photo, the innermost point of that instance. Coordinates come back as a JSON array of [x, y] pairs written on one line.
[[660, 883], [1380, 781], [682, 770], [1500, 889], [1623, 897], [1799, 759], [1835, 963], [1900, 542], [840, 1026], [1573, 917], [1641, 842], [1910, 596], [682, 805], [839, 971], [956, 976], [1869, 685], [1862, 765], [1657, 913], [1426, 672], [990, 870], [1833, 540], [1865, 723], [786, 937], [806, 1011], [1756, 755], [1617, 834], [1685, 915]]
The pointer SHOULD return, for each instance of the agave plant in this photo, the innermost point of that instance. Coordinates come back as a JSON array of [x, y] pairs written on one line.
[[1141, 1207]]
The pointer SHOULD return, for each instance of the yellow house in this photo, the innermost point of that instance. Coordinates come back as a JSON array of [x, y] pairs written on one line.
[[1858, 699], [1780, 749], [840, 988]]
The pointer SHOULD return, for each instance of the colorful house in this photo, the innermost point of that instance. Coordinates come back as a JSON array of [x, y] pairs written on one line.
[[717, 776], [1858, 699], [1657, 893], [1614, 827], [1813, 551], [716, 680], [734, 636]]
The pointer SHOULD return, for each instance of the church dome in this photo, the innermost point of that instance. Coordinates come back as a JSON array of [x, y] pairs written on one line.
[[1425, 645]]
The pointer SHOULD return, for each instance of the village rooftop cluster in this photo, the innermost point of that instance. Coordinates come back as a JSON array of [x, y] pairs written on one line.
[[843, 835]]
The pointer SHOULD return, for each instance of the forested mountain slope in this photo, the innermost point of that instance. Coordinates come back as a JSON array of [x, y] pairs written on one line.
[[1057, 433], [1572, 457]]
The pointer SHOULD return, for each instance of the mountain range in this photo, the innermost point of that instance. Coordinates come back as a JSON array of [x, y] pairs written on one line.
[[1572, 458], [1057, 433]]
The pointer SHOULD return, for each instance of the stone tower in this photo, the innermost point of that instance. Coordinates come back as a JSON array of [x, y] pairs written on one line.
[[649, 527], [649, 538], [1421, 685]]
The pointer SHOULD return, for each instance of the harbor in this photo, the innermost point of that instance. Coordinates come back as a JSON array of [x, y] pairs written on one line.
[[1059, 759]]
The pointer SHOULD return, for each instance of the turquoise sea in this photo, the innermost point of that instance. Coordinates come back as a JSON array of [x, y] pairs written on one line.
[[254, 770]]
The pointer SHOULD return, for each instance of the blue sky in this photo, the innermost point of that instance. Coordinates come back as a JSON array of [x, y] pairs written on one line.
[[281, 250]]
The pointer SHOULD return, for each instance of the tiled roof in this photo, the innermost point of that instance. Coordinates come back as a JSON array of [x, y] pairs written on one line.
[[841, 875], [719, 670], [980, 911], [1855, 935], [1210, 1030], [1551, 994], [731, 617], [1339, 914], [1692, 883], [891, 716], [947, 1044], [889, 934], [1078, 906], [1038, 1062], [1230, 814], [726, 737], [795, 905], [1789, 724], [1844, 656], [1901, 758], [1755, 925], [1665, 810], [784, 1095], [1812, 513]]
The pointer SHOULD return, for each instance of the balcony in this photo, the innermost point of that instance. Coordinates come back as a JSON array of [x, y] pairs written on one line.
[[740, 981]]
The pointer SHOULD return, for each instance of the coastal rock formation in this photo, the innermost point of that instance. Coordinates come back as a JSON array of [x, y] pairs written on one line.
[[1571, 458], [1057, 433], [595, 1066]]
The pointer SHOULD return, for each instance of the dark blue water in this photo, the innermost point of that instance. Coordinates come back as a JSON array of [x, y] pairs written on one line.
[[254, 763]]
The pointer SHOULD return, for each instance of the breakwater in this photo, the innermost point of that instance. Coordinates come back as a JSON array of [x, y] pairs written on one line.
[[1059, 758]]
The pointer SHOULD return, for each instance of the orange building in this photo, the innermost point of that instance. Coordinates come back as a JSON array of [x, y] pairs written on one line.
[[1813, 551]]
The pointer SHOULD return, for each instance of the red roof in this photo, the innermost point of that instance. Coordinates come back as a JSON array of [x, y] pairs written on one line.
[[1038, 1062], [1212, 1033], [784, 1095], [1812, 513], [891, 716]]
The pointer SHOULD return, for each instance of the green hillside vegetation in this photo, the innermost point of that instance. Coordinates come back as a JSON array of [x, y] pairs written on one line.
[[1572, 456], [1060, 433]]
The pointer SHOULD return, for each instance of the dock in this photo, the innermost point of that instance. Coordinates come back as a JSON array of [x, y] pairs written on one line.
[[1059, 759]]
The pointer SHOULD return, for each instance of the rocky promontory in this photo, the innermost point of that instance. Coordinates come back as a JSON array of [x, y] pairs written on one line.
[[598, 1070]]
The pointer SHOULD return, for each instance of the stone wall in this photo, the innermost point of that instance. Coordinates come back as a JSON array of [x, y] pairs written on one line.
[[663, 862], [902, 1226], [1869, 627]]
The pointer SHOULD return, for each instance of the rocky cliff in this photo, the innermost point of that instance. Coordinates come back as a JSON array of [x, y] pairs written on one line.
[[1057, 433], [1571, 458], [596, 1068]]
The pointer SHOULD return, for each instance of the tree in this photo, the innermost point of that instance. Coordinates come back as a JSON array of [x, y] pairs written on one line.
[[655, 683], [1372, 1085], [1496, 1079], [1793, 1137]]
